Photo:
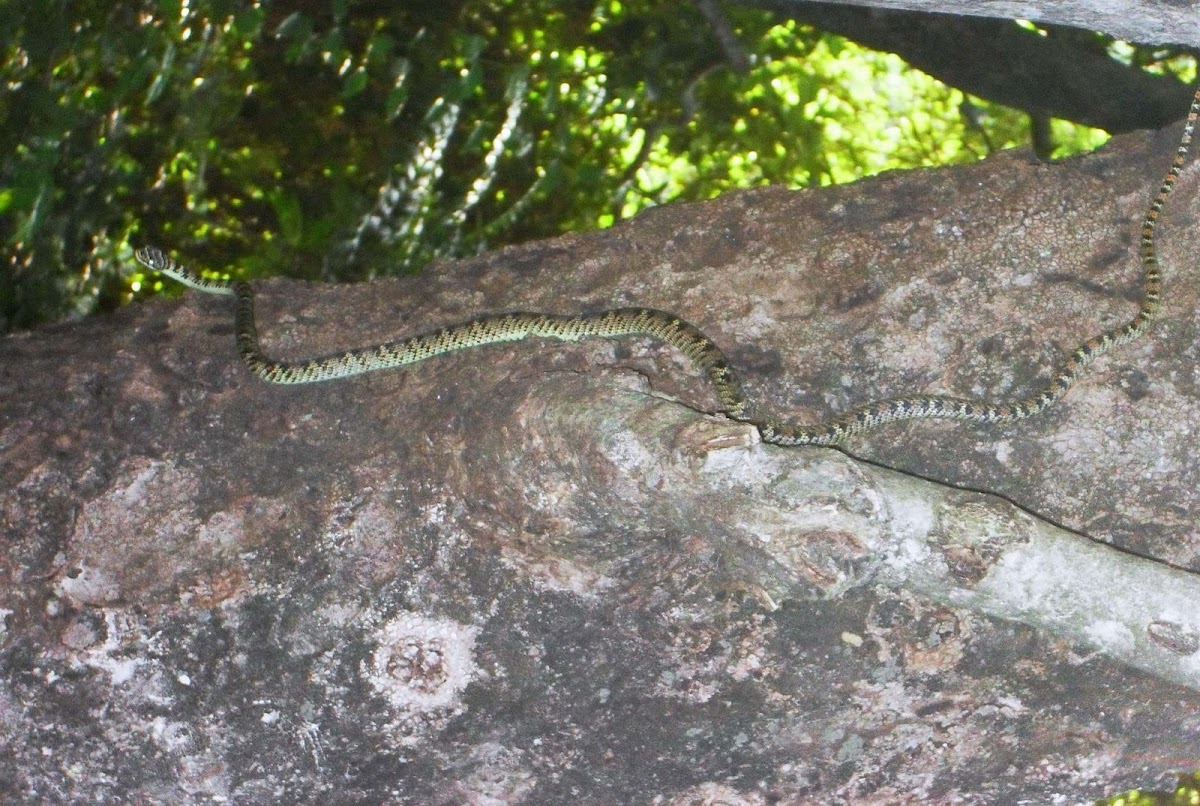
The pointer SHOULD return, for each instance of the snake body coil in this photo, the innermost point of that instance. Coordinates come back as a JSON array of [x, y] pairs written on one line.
[[689, 340]]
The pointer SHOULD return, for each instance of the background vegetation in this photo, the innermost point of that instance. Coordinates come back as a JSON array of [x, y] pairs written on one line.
[[337, 140]]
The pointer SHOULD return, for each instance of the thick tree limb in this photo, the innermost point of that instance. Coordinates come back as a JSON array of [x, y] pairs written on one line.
[[456, 582]]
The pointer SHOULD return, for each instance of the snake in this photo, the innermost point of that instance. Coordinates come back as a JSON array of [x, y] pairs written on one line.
[[682, 335]]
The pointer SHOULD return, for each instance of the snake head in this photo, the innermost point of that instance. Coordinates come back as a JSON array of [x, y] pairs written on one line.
[[153, 258]]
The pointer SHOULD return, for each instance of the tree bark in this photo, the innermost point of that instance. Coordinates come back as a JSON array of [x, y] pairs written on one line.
[[551, 573]]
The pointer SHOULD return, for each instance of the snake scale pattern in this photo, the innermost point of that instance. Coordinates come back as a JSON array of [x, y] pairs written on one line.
[[689, 340]]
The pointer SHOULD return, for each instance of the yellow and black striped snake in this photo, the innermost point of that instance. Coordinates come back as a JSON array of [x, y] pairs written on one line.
[[691, 341]]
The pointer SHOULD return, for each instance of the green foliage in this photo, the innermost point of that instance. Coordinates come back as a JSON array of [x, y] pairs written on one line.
[[343, 140]]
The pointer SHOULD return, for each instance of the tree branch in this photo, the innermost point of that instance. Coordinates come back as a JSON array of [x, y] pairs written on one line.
[[1041, 75], [822, 524]]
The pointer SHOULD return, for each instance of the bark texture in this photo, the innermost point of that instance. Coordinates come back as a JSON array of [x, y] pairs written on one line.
[[541, 573]]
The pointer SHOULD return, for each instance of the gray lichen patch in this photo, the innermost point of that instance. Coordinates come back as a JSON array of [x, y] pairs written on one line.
[[420, 666]]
